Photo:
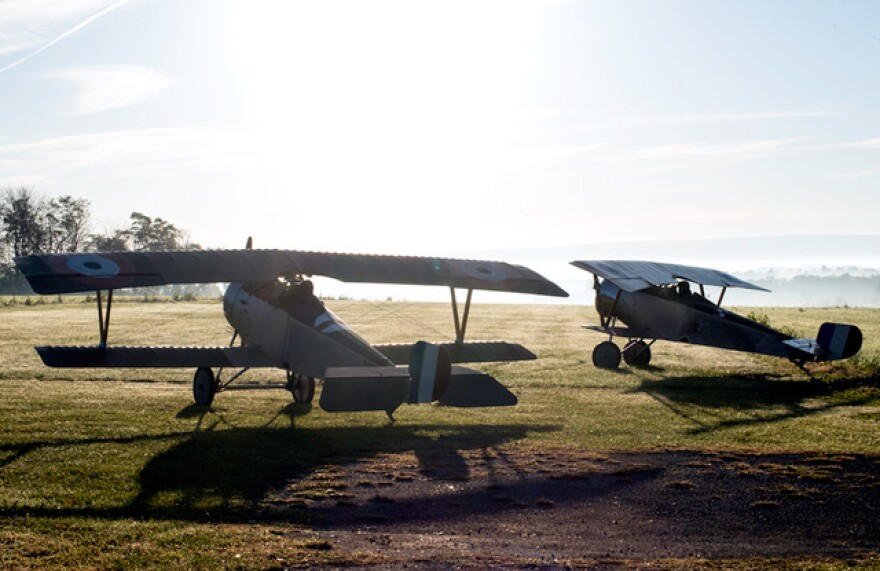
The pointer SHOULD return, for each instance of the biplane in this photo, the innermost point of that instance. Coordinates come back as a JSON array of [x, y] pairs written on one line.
[[279, 322], [656, 301]]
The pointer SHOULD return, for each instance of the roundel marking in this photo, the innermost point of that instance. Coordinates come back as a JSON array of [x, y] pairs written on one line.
[[93, 266], [484, 270]]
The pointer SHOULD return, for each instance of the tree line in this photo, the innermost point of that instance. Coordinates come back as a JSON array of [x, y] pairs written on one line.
[[34, 224]]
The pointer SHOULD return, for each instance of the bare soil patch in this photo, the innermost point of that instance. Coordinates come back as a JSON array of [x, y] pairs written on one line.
[[536, 509]]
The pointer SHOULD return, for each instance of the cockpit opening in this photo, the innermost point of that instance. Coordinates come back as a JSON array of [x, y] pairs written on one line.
[[292, 291]]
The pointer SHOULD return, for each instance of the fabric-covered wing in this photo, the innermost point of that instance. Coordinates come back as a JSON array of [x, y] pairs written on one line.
[[150, 357], [634, 276], [68, 273]]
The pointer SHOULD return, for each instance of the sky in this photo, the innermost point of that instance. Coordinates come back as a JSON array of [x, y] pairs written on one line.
[[498, 129]]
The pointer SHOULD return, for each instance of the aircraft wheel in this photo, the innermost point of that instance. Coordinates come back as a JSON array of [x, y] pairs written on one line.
[[204, 386], [301, 387], [606, 355], [637, 354]]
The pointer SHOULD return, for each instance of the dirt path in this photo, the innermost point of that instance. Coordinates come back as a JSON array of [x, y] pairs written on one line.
[[524, 509]]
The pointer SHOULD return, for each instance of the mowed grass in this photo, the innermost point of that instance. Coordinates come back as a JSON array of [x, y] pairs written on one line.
[[116, 468]]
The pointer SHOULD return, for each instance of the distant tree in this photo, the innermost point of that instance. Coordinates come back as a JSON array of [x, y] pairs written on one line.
[[67, 222], [143, 234], [154, 233], [22, 216], [117, 241], [30, 224]]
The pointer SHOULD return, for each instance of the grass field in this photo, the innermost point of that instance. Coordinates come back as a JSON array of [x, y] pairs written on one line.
[[116, 468]]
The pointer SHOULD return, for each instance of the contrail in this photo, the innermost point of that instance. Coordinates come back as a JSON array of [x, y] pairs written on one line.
[[74, 29]]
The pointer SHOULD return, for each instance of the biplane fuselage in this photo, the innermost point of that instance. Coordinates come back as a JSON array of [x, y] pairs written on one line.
[[655, 301], [664, 313], [273, 310], [294, 329]]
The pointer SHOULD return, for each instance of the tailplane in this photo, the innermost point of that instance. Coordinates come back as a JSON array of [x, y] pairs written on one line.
[[429, 378]]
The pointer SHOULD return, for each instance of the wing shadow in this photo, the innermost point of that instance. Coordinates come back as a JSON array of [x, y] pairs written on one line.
[[232, 470], [765, 398], [221, 472]]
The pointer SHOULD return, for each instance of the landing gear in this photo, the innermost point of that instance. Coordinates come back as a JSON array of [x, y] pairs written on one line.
[[606, 355], [204, 386], [301, 387], [637, 354]]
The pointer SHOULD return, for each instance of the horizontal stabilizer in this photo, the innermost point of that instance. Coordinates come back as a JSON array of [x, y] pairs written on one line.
[[808, 346], [353, 389], [149, 357], [473, 352], [469, 388]]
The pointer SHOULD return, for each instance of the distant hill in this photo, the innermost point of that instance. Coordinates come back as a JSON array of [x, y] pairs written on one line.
[[858, 288], [804, 270]]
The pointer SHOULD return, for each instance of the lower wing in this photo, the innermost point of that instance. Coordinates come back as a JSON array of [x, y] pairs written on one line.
[[150, 357]]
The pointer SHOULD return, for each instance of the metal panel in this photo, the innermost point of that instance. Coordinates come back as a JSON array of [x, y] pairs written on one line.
[[67, 273], [635, 275]]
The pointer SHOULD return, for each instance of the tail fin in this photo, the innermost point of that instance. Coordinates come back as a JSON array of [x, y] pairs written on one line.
[[839, 341]]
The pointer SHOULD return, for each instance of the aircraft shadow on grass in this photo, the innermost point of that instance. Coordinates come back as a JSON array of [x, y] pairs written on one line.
[[766, 398], [234, 467], [220, 472]]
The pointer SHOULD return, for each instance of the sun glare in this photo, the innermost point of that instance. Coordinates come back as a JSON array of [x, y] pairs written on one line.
[[364, 98]]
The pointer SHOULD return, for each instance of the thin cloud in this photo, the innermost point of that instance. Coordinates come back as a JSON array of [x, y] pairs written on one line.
[[858, 174], [99, 88], [127, 154], [731, 151], [869, 144], [736, 117], [30, 25]]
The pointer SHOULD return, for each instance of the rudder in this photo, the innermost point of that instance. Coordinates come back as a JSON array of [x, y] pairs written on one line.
[[839, 341]]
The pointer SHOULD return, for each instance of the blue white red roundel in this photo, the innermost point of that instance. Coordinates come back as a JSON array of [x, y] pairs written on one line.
[[93, 265], [483, 270]]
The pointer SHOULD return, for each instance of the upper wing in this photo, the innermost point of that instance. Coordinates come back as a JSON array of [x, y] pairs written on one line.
[[67, 273], [633, 276]]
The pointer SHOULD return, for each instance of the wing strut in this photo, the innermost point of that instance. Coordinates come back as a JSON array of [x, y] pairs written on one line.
[[104, 318], [720, 297], [461, 326], [607, 320]]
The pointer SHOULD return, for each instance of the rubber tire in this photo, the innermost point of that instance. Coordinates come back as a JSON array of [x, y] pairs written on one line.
[[204, 386], [301, 387], [606, 355], [637, 354]]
